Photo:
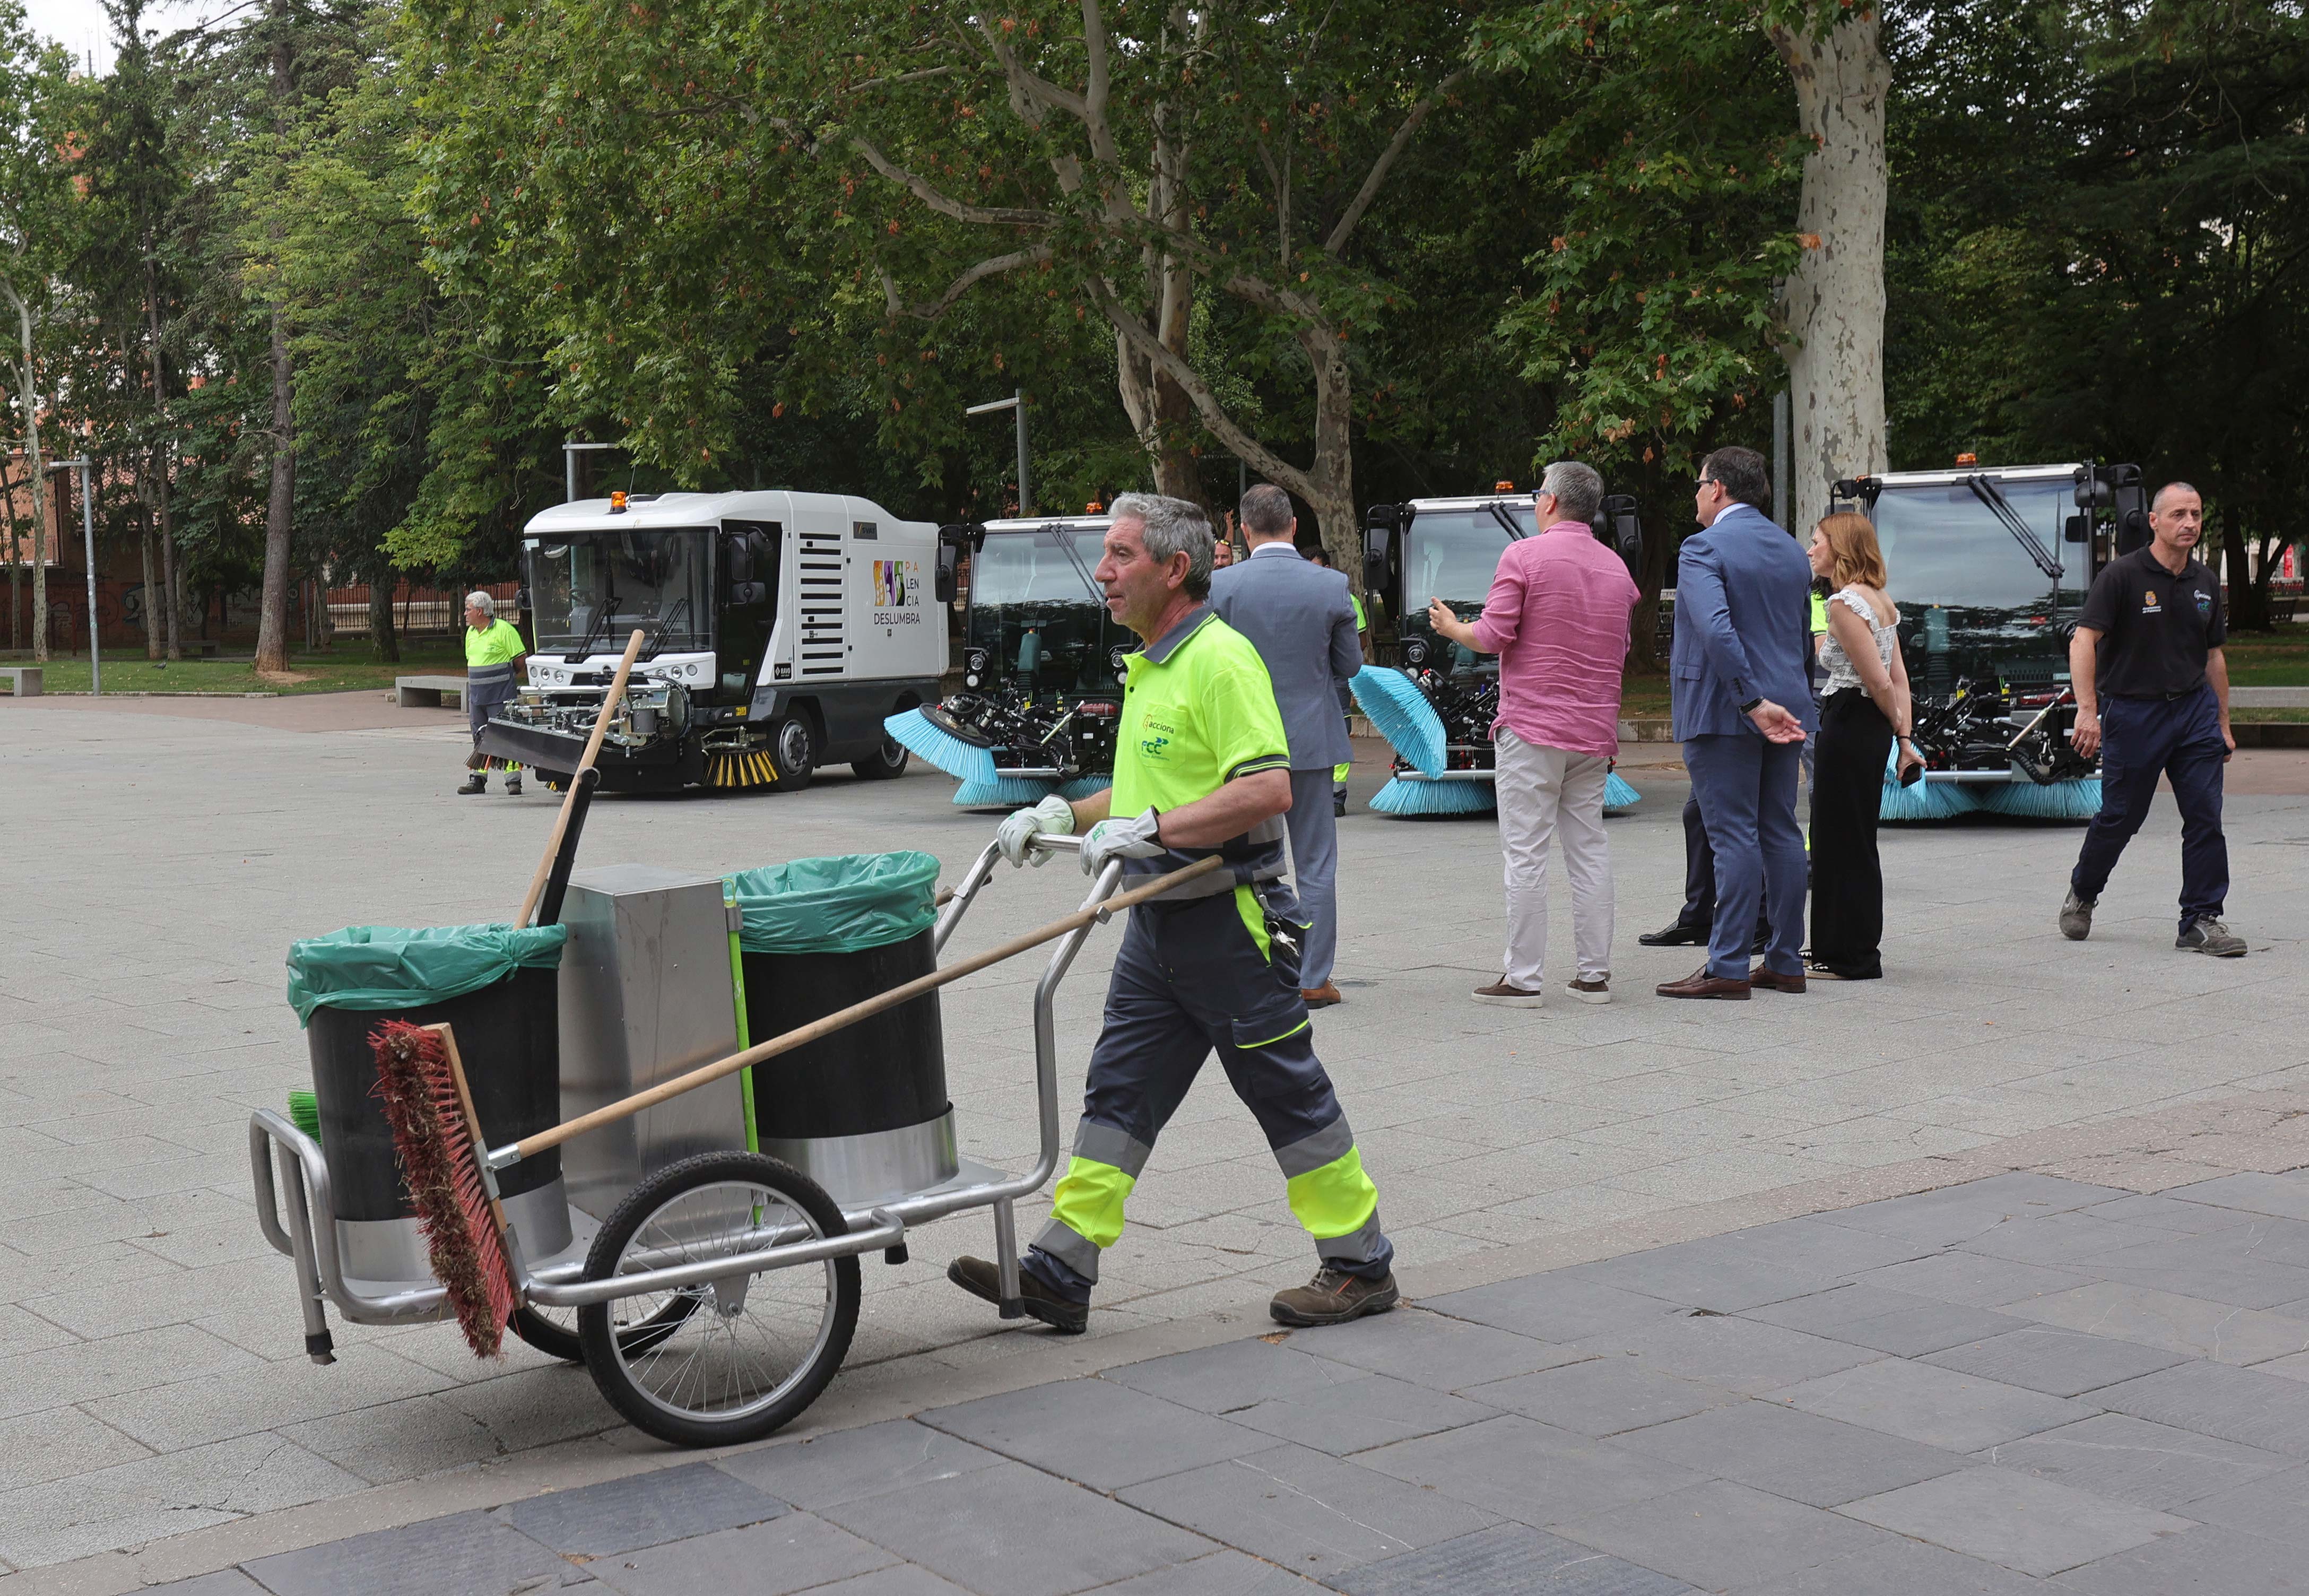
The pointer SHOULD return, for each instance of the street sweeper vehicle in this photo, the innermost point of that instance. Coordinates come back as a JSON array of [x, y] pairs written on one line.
[[1041, 685], [783, 629], [1436, 701], [1990, 566], [562, 1125]]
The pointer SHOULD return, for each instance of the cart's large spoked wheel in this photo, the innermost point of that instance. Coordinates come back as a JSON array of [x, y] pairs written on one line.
[[554, 1331], [751, 1352]]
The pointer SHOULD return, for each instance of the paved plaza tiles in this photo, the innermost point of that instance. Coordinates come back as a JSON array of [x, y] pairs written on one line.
[[1986, 1271]]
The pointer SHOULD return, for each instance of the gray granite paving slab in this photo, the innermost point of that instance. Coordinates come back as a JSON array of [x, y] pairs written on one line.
[[2283, 1195], [1602, 1396], [2275, 1507], [2243, 1405], [2027, 1524], [1508, 1560], [1801, 1456], [1235, 1375], [1304, 1511], [1105, 1435], [992, 1531], [642, 1510], [2194, 1266], [1531, 1472], [2207, 1562], [1895, 1568], [1975, 1278], [225, 1582], [1360, 1414], [1953, 1214], [796, 1552], [465, 1554], [2130, 1460], [1702, 1274], [1893, 1322], [1719, 1535], [2058, 1362], [1938, 1407], [848, 1465], [1550, 1307], [1432, 1349], [2164, 1211], [900, 1579], [1225, 1573], [1813, 1245], [1735, 1354], [2187, 1325]]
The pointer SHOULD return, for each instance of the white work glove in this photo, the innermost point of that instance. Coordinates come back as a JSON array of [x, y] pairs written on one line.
[[1053, 816], [1116, 838]]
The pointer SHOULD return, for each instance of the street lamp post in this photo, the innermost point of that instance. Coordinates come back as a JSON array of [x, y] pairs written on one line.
[[570, 450], [1016, 401], [88, 543]]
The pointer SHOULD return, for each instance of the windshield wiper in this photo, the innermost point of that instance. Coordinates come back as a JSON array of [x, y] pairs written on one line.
[[1066, 542], [664, 624], [1990, 495], [1515, 533], [600, 623]]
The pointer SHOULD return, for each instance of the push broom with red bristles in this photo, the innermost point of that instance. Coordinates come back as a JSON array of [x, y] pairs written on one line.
[[451, 1168]]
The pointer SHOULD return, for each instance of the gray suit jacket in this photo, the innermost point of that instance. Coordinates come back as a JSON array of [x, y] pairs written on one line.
[[1298, 616]]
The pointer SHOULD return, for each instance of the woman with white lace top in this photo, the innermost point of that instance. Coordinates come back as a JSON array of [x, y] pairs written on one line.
[[1864, 710]]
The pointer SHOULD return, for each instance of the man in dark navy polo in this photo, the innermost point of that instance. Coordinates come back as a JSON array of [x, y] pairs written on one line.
[[2153, 696]]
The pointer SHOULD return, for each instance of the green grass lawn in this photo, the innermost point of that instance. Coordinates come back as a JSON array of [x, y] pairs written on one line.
[[2275, 658], [346, 669]]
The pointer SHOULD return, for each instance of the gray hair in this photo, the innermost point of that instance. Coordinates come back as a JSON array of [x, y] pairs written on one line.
[[1578, 490], [478, 600], [1172, 526], [1266, 511], [2158, 503]]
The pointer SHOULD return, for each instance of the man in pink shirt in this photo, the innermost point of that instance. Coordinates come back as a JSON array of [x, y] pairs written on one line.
[[1558, 618]]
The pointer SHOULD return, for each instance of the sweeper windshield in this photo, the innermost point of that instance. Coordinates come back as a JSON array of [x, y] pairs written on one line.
[[1948, 548], [1034, 608], [590, 586], [1452, 555]]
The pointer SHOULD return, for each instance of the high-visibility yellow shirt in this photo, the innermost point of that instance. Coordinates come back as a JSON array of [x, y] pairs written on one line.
[[1198, 711], [495, 644]]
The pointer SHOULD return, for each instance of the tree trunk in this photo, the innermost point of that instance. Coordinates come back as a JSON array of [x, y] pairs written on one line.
[[279, 512], [1834, 303], [384, 642], [152, 622], [15, 563], [162, 463], [1331, 479]]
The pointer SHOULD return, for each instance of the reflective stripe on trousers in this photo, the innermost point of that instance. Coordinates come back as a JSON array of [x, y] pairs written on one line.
[[1219, 973]]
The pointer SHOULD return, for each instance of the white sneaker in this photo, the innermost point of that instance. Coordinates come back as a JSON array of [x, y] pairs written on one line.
[[1500, 994], [1599, 990]]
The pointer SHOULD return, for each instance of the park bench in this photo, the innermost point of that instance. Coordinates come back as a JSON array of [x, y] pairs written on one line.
[[425, 691], [23, 681]]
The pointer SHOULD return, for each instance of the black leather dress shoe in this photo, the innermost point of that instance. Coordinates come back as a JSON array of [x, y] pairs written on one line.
[[1678, 935]]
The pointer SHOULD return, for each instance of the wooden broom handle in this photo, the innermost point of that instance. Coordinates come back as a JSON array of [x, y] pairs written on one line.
[[569, 800], [529, 1145]]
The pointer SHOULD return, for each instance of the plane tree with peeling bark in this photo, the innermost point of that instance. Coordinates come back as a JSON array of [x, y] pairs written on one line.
[[1137, 165]]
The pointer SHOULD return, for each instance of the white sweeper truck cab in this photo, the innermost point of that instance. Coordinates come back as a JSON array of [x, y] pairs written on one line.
[[781, 630]]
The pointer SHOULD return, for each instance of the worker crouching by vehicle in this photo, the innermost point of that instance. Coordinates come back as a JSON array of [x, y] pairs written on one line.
[[493, 655], [1201, 766]]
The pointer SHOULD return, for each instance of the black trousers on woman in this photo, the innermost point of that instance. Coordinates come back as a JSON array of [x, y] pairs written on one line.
[[1847, 883]]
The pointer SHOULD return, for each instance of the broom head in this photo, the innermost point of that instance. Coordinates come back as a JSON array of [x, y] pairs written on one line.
[[1401, 714], [426, 1109], [1003, 791], [2077, 800], [1618, 795], [1083, 787], [1924, 799], [932, 738], [1407, 794]]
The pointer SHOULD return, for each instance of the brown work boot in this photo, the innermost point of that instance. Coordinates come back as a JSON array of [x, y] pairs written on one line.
[[1699, 984], [1321, 997], [1773, 981], [1334, 1297], [982, 1279]]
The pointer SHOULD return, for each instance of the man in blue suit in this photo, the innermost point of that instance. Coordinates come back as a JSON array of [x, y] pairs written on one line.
[[1300, 618], [1741, 640]]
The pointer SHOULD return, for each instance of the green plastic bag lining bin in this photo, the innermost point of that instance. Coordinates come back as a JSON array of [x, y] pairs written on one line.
[[846, 904], [381, 967]]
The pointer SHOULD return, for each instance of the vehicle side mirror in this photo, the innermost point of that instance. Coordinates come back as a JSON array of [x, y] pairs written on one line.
[[1374, 571], [949, 562], [521, 599], [741, 559], [2079, 529]]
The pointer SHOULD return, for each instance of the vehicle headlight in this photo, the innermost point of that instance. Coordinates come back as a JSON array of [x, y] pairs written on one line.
[[975, 661], [1415, 651]]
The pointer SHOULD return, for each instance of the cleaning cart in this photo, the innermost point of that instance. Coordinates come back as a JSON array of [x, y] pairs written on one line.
[[709, 1287]]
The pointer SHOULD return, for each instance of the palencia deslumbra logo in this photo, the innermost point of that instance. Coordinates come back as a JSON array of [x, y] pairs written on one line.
[[897, 592]]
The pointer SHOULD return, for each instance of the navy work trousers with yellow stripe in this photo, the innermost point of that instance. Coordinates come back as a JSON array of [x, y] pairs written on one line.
[[1219, 972]]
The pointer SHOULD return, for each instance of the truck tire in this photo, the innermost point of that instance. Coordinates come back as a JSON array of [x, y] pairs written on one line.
[[889, 763], [793, 752]]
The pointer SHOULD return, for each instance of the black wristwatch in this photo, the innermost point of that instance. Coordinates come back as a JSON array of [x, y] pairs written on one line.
[[1751, 706]]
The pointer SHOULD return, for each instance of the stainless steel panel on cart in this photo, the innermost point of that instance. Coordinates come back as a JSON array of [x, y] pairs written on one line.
[[645, 995]]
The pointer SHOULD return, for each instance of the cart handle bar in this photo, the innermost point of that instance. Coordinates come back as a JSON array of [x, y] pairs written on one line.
[[817, 1029]]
